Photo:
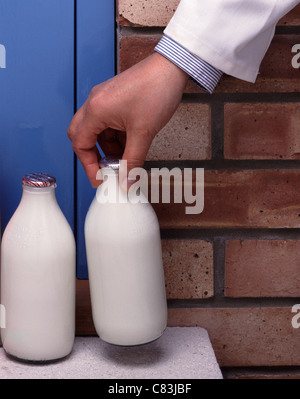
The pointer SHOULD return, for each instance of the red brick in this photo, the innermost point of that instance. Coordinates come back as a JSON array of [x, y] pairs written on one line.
[[262, 268], [292, 18], [188, 266], [187, 136], [245, 336], [262, 131], [158, 13], [134, 48], [146, 12], [246, 199]]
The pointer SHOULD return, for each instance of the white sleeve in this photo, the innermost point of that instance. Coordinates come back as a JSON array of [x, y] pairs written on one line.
[[231, 35]]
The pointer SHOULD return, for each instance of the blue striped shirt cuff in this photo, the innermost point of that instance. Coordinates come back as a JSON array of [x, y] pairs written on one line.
[[203, 74]]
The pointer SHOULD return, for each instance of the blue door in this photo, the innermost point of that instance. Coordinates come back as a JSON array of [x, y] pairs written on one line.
[[95, 63], [52, 52]]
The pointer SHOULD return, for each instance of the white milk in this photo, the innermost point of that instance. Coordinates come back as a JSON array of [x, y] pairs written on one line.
[[38, 277], [125, 269]]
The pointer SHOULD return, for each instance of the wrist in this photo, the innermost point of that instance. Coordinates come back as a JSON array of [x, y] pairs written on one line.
[[202, 73], [176, 74]]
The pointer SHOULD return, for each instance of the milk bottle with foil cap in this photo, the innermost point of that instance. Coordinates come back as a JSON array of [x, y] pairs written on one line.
[[38, 276], [124, 264]]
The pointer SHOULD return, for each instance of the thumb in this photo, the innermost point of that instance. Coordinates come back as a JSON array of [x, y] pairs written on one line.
[[136, 149]]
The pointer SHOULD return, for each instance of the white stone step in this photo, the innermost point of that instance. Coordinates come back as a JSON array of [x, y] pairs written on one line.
[[181, 353]]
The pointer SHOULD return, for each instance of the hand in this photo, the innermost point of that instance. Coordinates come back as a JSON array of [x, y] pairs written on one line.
[[127, 111]]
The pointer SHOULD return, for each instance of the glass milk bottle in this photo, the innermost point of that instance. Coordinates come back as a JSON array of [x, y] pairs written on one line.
[[38, 276], [124, 264]]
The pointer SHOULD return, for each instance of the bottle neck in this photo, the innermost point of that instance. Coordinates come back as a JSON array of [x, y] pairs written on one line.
[[109, 190], [38, 195]]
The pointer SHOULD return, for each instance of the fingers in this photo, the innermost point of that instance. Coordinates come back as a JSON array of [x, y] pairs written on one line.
[[137, 147], [83, 132], [75, 122], [84, 135], [112, 142], [90, 162]]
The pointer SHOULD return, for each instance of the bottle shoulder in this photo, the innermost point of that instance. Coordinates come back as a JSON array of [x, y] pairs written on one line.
[[27, 220], [121, 218]]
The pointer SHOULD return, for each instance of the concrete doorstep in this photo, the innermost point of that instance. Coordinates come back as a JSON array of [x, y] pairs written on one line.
[[181, 353]]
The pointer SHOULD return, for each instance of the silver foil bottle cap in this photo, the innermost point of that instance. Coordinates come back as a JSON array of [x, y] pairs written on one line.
[[111, 161], [38, 180]]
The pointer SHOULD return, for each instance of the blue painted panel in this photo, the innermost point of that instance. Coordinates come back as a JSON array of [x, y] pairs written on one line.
[[36, 98], [95, 63]]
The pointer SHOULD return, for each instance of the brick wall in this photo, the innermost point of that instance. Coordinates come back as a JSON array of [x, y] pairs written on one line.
[[235, 268]]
